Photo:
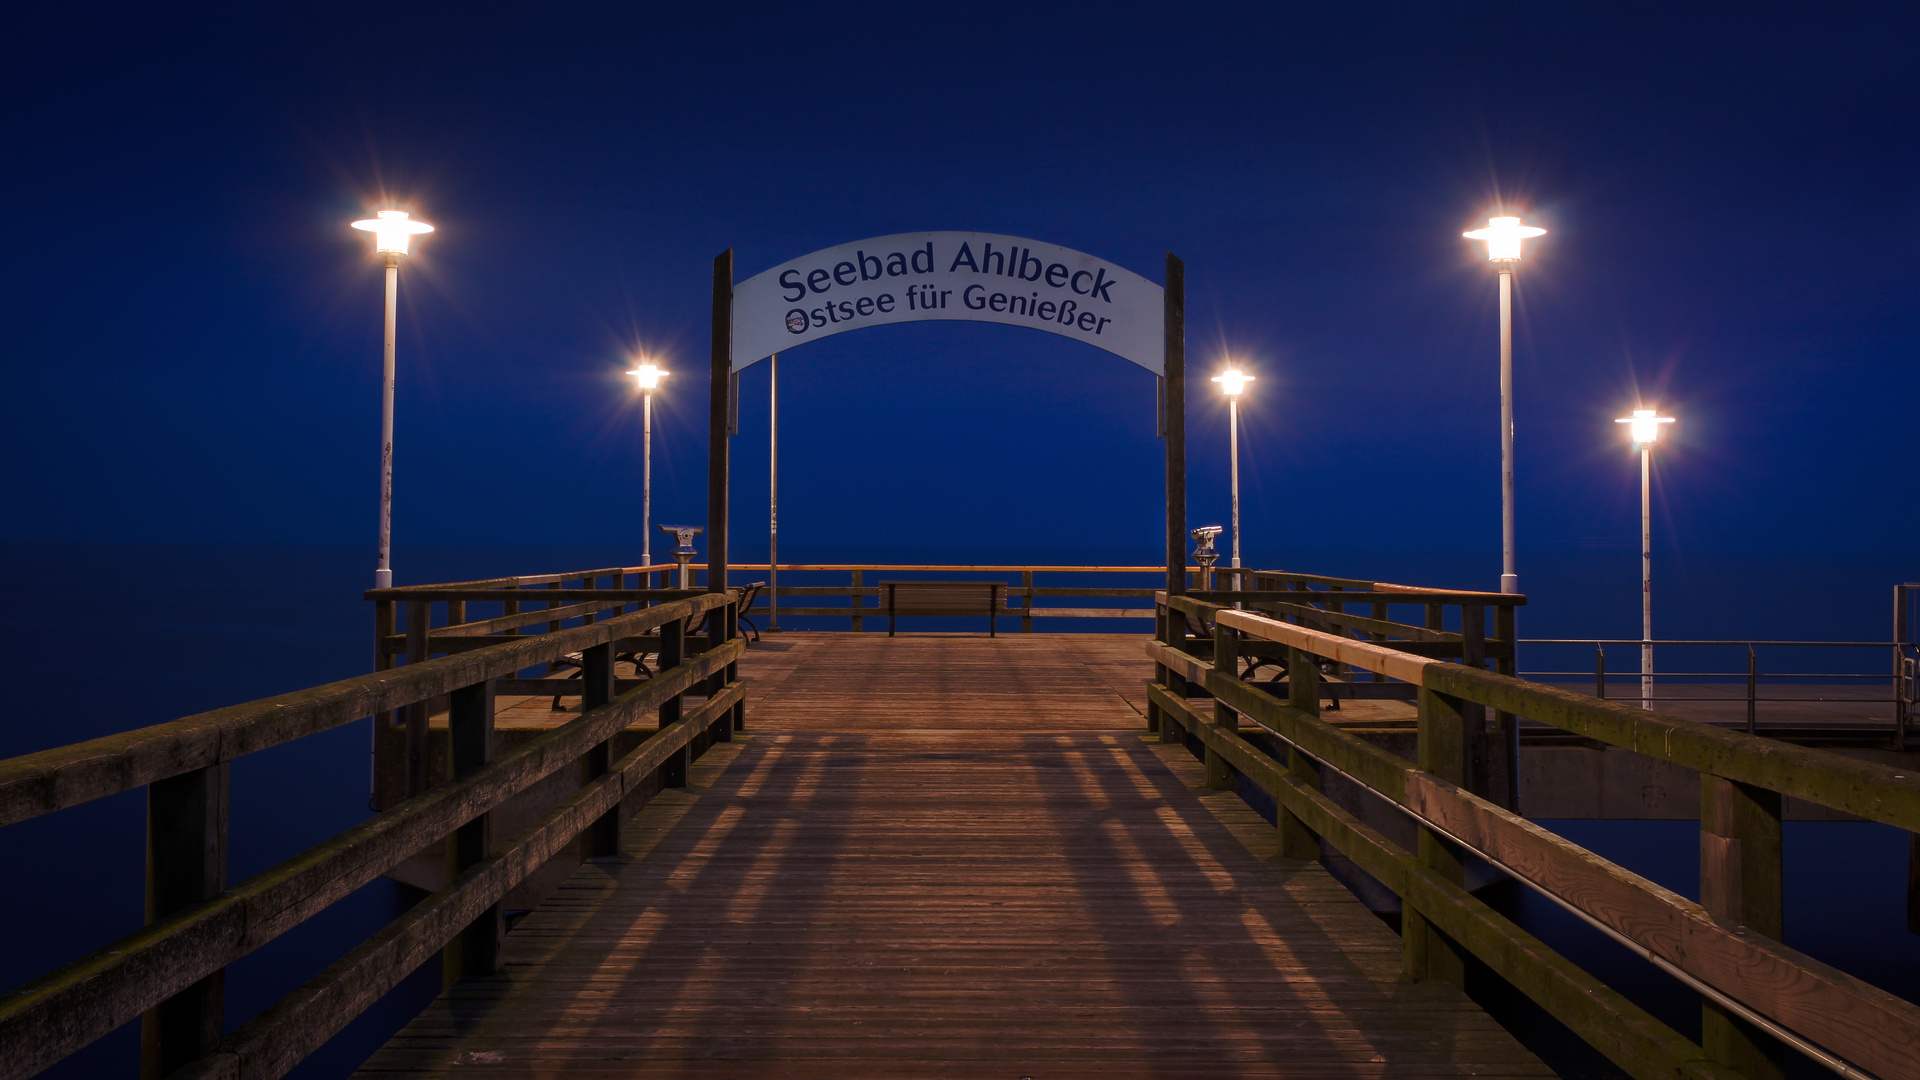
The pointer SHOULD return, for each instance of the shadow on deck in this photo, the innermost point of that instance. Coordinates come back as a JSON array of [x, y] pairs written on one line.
[[950, 856]]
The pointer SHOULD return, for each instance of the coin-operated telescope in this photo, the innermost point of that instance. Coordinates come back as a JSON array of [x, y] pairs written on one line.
[[684, 552], [1204, 554]]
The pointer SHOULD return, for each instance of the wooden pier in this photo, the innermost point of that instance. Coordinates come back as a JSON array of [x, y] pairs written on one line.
[[950, 856], [936, 854]]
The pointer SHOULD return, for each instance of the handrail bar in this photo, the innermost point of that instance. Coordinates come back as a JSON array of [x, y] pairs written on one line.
[[82, 1001], [1733, 641], [1863, 788], [53, 779], [1849, 1020]]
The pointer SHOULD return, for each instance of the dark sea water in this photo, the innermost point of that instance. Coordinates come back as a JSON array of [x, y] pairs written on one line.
[[109, 638]]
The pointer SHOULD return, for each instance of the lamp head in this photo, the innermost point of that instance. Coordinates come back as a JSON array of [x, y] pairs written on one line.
[[1232, 381], [647, 376], [1643, 427], [392, 230], [1503, 236]]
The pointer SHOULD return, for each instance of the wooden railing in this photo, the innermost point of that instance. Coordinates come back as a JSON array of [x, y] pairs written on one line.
[[172, 972], [1754, 989]]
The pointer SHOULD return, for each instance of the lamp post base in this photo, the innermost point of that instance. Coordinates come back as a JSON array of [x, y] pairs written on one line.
[[1509, 583], [383, 579]]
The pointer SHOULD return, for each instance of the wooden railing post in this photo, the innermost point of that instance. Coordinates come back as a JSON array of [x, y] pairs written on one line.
[[596, 689], [1159, 669], [719, 632], [388, 727], [470, 742], [553, 627], [857, 601], [1303, 693], [1026, 605], [1176, 683], [1427, 954], [186, 863], [1226, 659], [1740, 883], [733, 673], [419, 620], [1506, 724], [673, 651], [1473, 642]]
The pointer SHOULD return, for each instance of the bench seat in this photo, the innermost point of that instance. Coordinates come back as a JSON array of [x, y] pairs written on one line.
[[987, 598]]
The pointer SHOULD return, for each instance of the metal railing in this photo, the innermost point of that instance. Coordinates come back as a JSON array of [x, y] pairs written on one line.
[[1900, 682]]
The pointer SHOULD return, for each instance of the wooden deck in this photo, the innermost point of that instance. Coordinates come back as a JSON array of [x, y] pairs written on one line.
[[949, 856]]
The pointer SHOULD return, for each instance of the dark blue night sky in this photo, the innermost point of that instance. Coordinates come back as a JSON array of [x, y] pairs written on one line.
[[192, 332]]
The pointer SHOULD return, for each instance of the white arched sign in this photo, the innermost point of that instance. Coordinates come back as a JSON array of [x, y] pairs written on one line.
[[974, 277]]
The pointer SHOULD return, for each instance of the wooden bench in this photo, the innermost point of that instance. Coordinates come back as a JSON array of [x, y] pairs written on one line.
[[987, 598]]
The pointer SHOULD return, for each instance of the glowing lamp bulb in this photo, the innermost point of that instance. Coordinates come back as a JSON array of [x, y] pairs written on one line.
[[1232, 381], [1503, 236], [392, 230], [647, 376], [1643, 427]]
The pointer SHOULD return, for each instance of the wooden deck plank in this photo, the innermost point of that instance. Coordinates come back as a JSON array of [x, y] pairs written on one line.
[[950, 856]]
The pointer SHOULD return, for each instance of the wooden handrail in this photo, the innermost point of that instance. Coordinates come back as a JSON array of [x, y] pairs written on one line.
[[1865, 789], [1830, 1010], [285, 1033], [40, 783], [187, 943]]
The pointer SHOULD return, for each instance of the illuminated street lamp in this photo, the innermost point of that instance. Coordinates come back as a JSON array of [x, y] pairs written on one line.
[[1232, 382], [647, 377], [392, 232], [1643, 427], [1503, 236]]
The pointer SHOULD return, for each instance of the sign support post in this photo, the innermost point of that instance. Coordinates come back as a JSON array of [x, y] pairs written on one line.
[[717, 421], [1176, 425]]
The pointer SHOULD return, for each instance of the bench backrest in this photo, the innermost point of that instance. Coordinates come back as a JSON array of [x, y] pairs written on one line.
[[943, 597]]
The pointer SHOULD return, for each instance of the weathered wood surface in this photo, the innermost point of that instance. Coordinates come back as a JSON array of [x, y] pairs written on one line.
[[950, 856]]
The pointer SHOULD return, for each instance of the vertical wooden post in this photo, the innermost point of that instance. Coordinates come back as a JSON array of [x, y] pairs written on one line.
[[733, 675], [1159, 669], [456, 612], [1506, 723], [1226, 659], [1473, 641], [1176, 424], [596, 689], [1379, 612], [1303, 693], [1426, 953], [1175, 682], [673, 652], [1740, 872], [419, 615], [1026, 606], [388, 727], [553, 627], [857, 601], [511, 607], [186, 863], [718, 417], [470, 737], [719, 632]]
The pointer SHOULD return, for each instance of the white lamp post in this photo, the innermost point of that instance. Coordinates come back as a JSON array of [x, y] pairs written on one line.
[[1643, 427], [647, 377], [392, 231], [1232, 382], [1503, 236]]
